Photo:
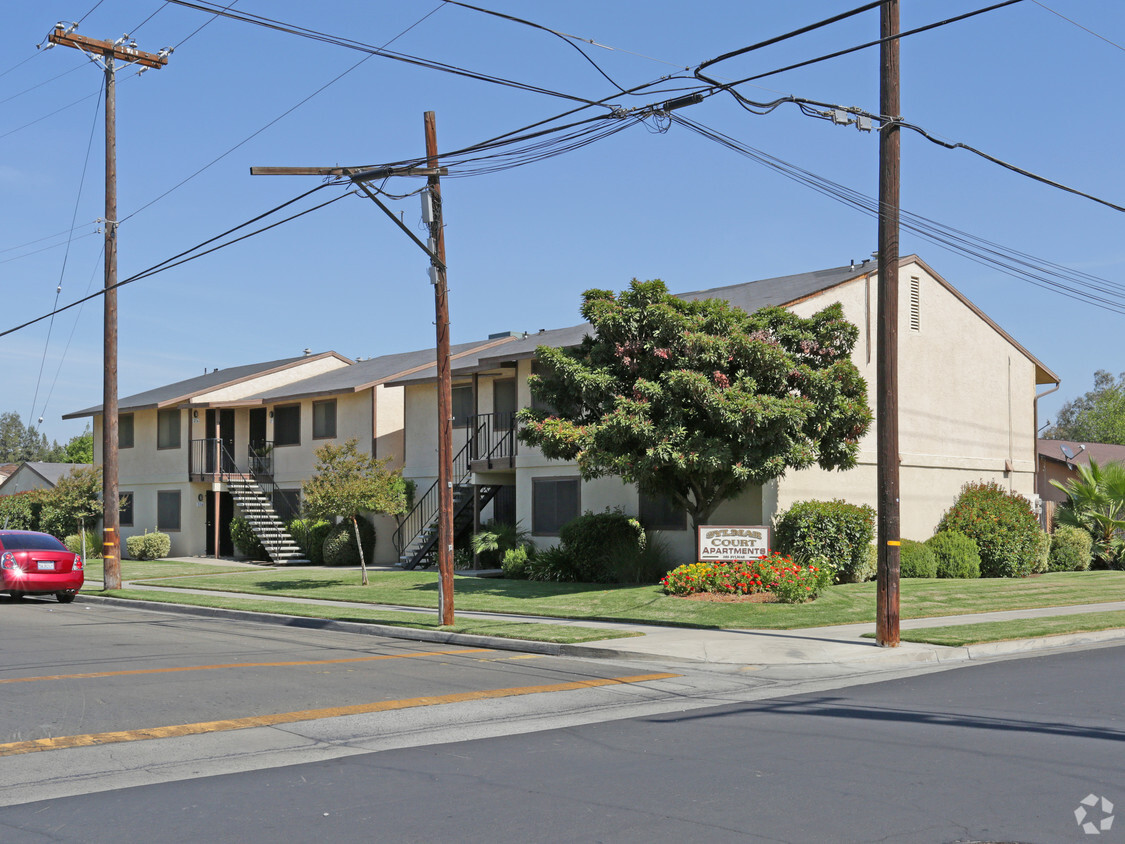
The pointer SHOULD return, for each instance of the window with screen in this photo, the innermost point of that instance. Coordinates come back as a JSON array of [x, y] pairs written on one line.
[[287, 425], [554, 502], [324, 419], [168, 509], [125, 430], [659, 512], [167, 428]]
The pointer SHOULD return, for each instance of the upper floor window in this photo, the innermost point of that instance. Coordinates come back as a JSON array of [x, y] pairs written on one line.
[[463, 406], [287, 425], [324, 419], [167, 428], [125, 430]]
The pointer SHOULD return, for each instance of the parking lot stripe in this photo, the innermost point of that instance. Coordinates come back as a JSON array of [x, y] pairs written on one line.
[[95, 739], [133, 671]]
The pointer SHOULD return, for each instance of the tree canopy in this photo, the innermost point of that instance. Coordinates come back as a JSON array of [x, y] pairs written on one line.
[[1096, 417], [698, 400], [348, 483], [20, 443]]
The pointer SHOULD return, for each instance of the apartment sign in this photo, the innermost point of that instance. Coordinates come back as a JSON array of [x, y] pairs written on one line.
[[726, 542]]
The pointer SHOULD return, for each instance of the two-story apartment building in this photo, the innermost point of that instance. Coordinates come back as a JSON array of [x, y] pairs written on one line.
[[967, 397]]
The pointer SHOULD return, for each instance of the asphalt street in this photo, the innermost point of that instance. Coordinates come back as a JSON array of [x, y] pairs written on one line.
[[996, 751]]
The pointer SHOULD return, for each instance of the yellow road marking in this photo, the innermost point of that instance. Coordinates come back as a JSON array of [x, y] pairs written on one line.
[[239, 665], [94, 739]]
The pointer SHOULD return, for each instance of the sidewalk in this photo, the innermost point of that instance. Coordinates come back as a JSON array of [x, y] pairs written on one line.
[[833, 647]]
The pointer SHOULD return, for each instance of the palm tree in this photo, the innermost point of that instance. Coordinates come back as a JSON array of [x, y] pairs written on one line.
[[1096, 503]]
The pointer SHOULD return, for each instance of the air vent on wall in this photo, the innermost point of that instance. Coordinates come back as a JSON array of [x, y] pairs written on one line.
[[915, 305]]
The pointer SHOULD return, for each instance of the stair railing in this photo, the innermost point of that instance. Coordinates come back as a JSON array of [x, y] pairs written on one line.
[[425, 509]]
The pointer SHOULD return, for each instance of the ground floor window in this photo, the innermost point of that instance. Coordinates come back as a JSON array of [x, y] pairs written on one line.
[[126, 517], [554, 502], [287, 503], [659, 512], [168, 509]]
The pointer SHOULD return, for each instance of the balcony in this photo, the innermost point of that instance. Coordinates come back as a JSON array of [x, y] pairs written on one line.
[[492, 441]]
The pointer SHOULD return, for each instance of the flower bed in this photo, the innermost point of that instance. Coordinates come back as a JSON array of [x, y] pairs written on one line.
[[789, 582]]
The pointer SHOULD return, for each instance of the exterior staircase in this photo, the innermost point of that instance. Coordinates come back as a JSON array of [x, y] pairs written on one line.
[[263, 520], [421, 550]]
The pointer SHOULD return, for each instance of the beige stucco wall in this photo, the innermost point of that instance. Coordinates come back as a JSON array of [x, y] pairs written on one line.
[[966, 405], [270, 381]]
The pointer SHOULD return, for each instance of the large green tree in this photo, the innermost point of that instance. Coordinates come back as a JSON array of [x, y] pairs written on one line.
[[1096, 417], [699, 400], [19, 442], [348, 483]]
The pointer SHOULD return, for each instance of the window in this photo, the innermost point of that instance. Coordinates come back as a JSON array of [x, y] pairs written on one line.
[[538, 368], [287, 503], [125, 430], [554, 502], [167, 429], [126, 517], [463, 406], [324, 419], [168, 509], [287, 425], [659, 512]]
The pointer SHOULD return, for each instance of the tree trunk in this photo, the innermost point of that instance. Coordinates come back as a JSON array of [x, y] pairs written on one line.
[[359, 545]]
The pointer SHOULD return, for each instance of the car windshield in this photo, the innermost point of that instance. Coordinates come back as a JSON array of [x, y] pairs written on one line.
[[30, 542]]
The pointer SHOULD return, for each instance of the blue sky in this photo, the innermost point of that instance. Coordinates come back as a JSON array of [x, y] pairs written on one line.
[[1020, 83]]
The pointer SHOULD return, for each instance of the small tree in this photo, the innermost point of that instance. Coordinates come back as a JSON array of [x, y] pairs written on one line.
[[347, 483], [698, 400], [75, 498], [1096, 503]]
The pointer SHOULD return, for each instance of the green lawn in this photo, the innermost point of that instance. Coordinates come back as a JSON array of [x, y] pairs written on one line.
[[556, 633], [1020, 628], [847, 604], [140, 570]]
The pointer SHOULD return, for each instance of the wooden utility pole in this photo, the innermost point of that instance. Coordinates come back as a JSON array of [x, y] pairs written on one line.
[[436, 252], [445, 389], [886, 364], [109, 51]]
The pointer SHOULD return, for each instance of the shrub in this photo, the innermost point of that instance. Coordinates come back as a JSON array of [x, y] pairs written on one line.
[[833, 532], [595, 542], [1002, 525], [789, 582], [310, 534], [1071, 549], [916, 560], [148, 546], [1042, 553], [552, 564], [73, 542], [245, 540], [340, 548], [495, 540], [55, 521], [956, 554], [20, 511], [514, 564]]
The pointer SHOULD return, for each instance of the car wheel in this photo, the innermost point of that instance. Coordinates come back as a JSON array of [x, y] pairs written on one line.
[[16, 595], [65, 597]]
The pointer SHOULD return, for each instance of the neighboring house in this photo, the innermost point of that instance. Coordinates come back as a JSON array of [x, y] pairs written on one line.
[[243, 439], [967, 412], [1058, 461], [6, 469], [34, 475]]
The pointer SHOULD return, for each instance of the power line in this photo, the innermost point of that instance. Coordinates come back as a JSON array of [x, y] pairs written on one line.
[[41, 84], [66, 255], [1077, 24], [187, 255], [1073, 284]]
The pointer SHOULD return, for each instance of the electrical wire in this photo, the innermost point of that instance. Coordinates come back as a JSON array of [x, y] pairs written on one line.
[[1077, 24], [1073, 284], [63, 233], [187, 255], [41, 84], [281, 116], [304, 32], [79, 101], [66, 255], [555, 32]]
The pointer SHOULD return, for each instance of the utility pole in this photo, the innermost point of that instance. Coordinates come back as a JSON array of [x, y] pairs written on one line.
[[109, 51], [445, 390], [886, 364], [435, 249]]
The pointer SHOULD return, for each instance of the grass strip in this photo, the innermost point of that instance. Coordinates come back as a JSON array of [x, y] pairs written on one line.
[[524, 631], [1023, 628], [851, 603], [144, 569]]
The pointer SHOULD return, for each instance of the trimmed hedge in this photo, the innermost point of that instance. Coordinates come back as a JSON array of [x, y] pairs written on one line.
[[1002, 525], [20, 511], [1071, 549], [598, 543], [310, 534], [148, 546], [828, 533], [916, 560], [956, 554]]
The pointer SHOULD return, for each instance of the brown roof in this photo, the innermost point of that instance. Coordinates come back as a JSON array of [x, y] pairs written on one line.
[[1081, 453]]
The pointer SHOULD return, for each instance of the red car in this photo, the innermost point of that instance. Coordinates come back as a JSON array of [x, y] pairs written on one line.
[[38, 564]]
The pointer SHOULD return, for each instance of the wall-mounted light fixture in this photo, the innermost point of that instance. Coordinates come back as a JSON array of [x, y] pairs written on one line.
[[201, 496], [195, 414], [271, 414]]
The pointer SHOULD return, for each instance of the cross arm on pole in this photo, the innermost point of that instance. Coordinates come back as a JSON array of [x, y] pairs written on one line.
[[122, 52]]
